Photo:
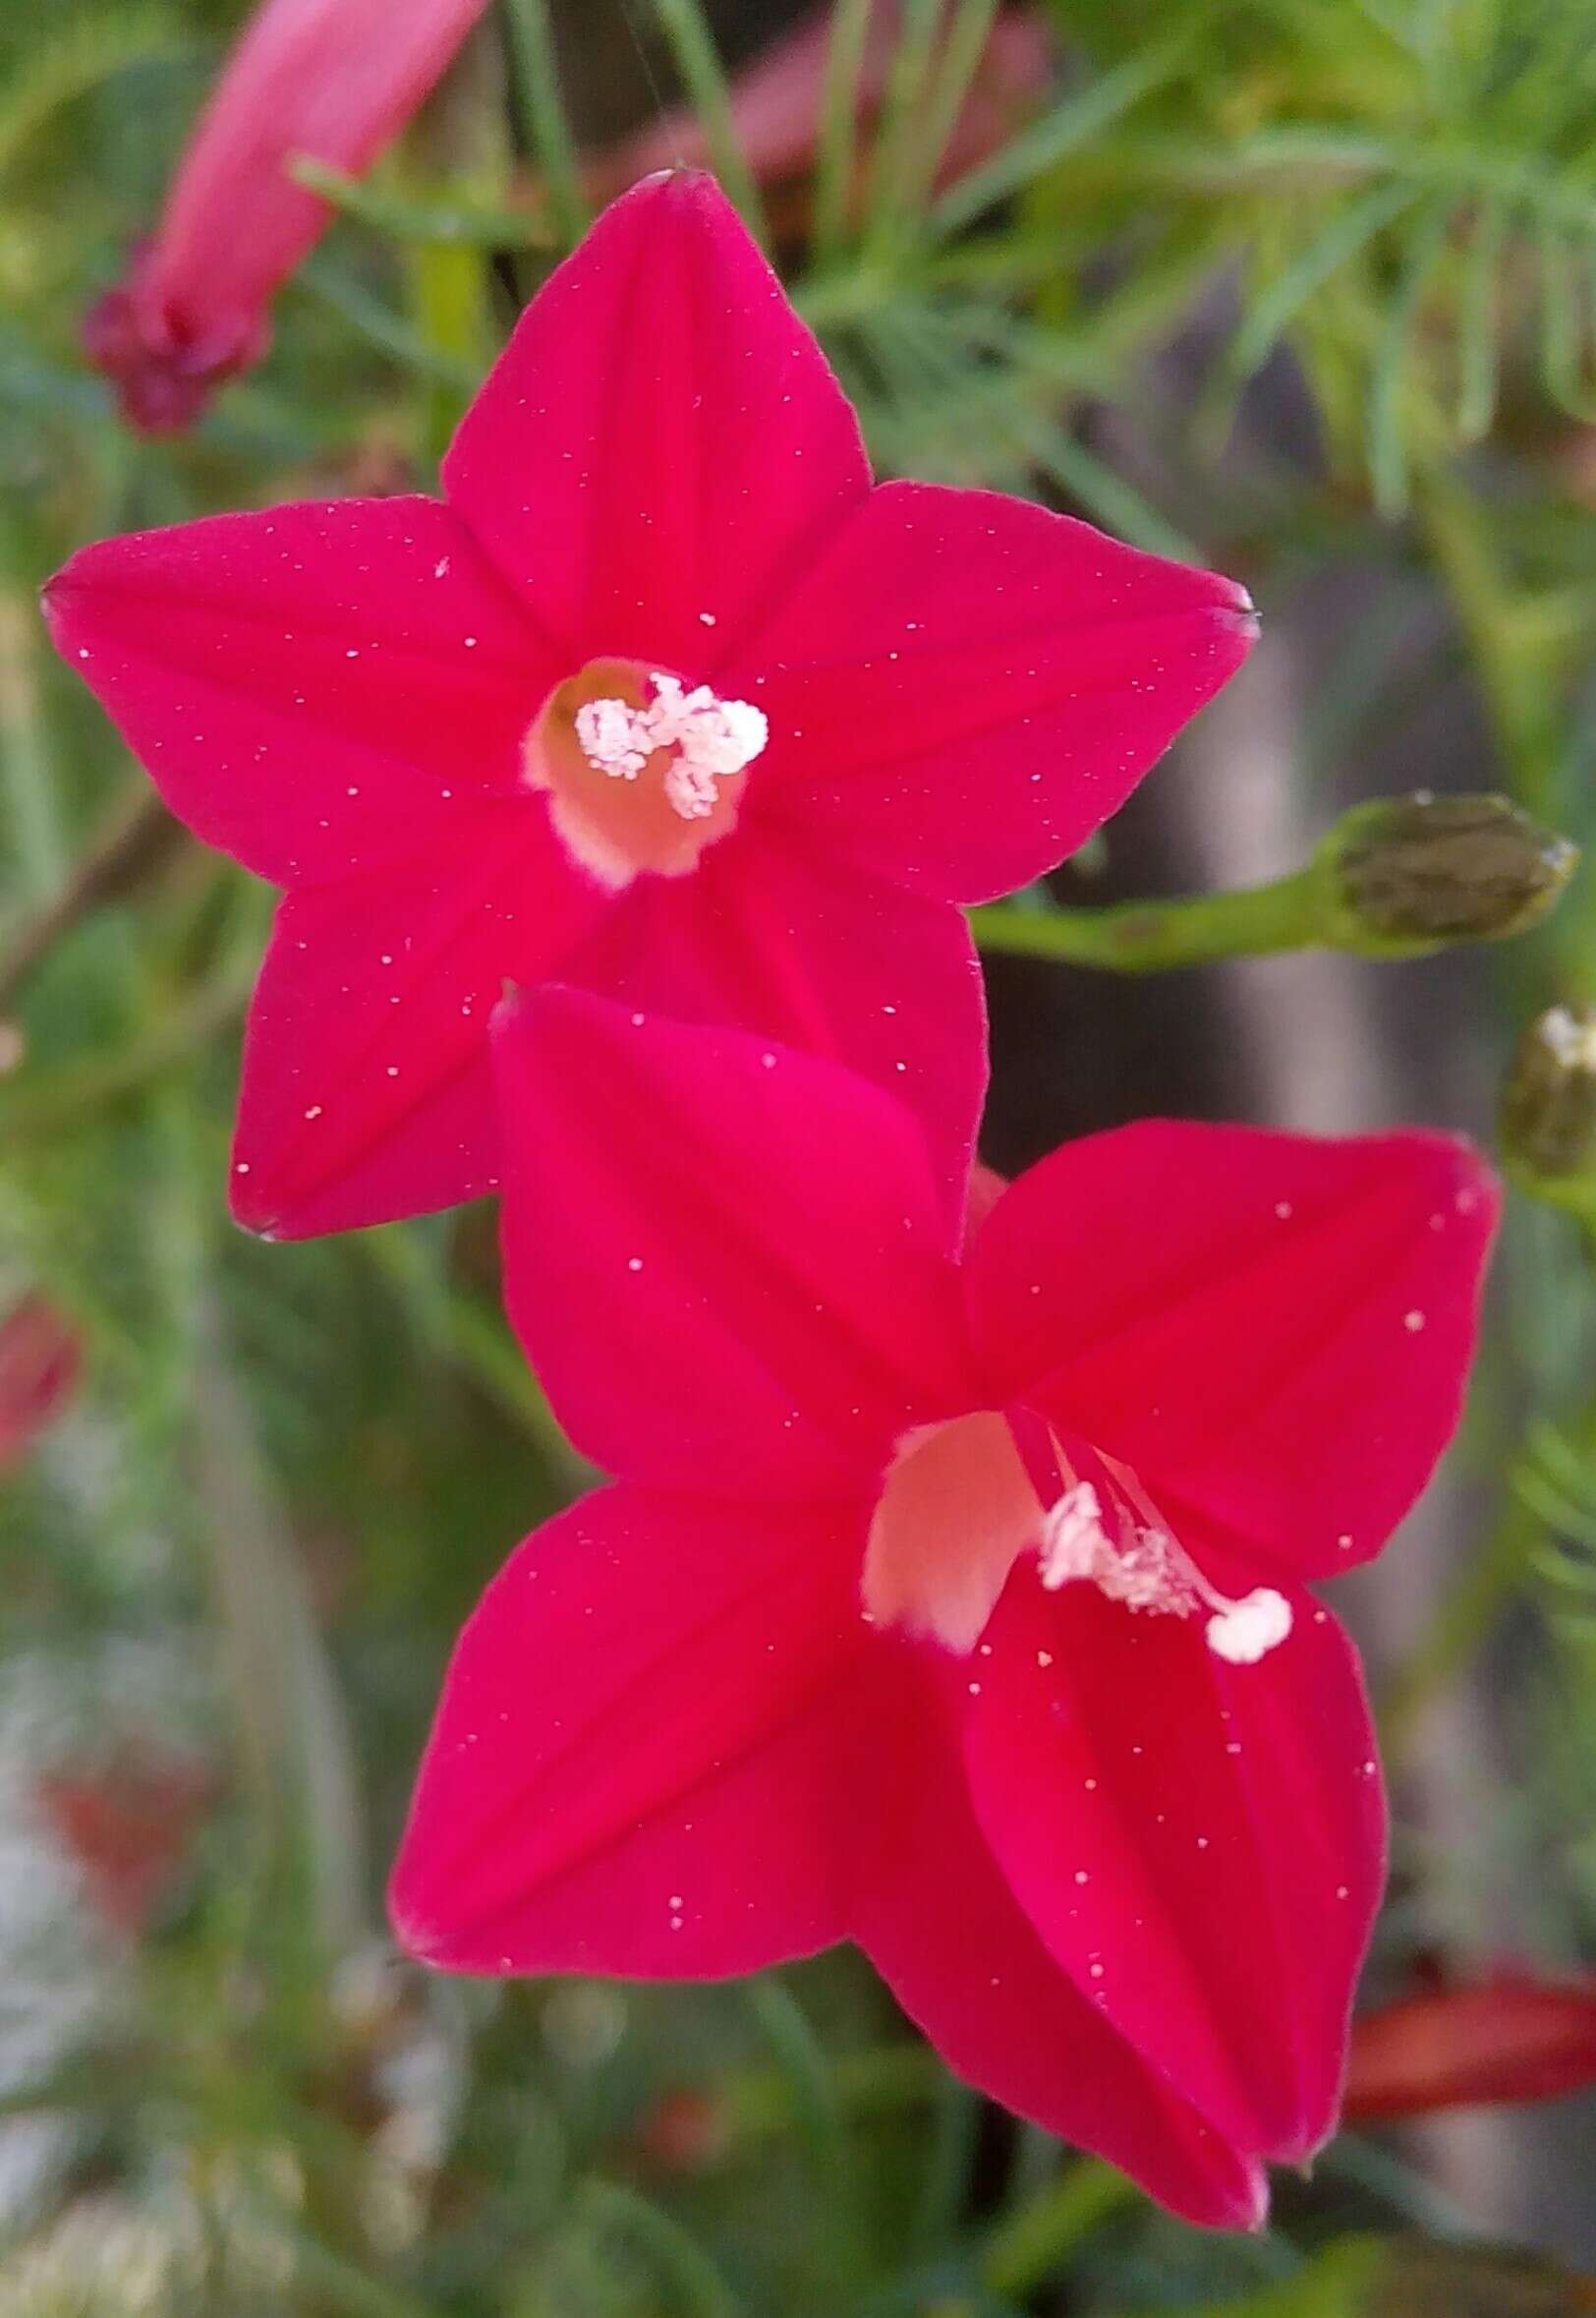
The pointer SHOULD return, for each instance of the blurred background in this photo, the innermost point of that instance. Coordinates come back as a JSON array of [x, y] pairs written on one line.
[[1299, 288]]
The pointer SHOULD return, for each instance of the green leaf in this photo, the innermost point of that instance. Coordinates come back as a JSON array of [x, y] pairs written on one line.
[[469, 225], [692, 44], [536, 76], [835, 168], [1388, 408], [1060, 132]]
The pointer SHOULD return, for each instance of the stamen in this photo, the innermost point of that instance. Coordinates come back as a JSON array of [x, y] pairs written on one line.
[[1145, 1569], [711, 738]]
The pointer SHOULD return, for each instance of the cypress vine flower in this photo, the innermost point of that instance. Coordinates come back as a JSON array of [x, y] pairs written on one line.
[[955, 1604], [332, 80], [663, 698]]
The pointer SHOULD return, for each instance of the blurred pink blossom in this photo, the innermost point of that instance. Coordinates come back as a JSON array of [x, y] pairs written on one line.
[[40, 1358]]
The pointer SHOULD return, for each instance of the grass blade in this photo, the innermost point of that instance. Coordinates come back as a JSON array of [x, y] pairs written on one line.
[[1388, 449], [1477, 324], [1069, 125], [537, 77], [902, 118], [960, 61], [697, 60], [840, 112], [1350, 230]]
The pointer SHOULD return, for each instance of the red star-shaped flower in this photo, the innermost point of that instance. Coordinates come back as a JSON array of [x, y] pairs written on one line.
[[663, 698], [952, 1604]]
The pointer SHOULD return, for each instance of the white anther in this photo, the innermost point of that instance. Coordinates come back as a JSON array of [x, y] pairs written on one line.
[[614, 738], [1251, 1628], [712, 739], [1145, 1569]]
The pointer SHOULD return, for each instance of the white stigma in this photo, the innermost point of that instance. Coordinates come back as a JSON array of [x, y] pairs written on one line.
[[1147, 1570], [709, 739]]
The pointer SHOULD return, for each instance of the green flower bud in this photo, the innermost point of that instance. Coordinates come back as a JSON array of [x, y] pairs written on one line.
[[1549, 1108], [1411, 874]]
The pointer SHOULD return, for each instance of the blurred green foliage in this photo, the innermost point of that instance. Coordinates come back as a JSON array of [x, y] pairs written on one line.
[[235, 1567]]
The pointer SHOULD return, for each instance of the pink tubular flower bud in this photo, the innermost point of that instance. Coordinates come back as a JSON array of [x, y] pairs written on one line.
[[41, 1359], [332, 80]]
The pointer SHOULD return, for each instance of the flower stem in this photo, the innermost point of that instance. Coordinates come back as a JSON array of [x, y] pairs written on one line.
[[1150, 937], [1397, 877], [1038, 2238]]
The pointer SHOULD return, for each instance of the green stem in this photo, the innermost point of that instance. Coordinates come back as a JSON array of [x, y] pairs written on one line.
[[40, 847], [1035, 2240], [698, 2285], [1149, 937]]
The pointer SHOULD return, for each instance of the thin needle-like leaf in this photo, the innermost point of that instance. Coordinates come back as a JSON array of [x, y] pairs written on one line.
[[697, 60], [965, 45], [840, 112], [1565, 326], [903, 122], [1069, 125], [537, 73], [1277, 306], [1477, 325], [1387, 445]]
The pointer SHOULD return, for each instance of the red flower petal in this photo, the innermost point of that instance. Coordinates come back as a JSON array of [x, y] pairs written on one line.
[[367, 1089], [948, 1937], [315, 690], [962, 686], [727, 1260], [776, 938], [662, 446], [1273, 1330], [1514, 2037], [1216, 1904], [639, 1765]]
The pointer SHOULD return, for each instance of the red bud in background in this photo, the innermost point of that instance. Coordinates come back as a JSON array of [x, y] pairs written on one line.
[[127, 1829], [1510, 2037], [334, 79], [40, 1358], [777, 102]]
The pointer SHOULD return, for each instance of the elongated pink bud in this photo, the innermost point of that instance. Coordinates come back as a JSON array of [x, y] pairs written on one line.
[[334, 79], [1514, 2037], [40, 1358]]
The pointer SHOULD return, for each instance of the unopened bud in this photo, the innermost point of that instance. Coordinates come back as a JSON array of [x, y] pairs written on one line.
[[1413, 873], [1549, 1107]]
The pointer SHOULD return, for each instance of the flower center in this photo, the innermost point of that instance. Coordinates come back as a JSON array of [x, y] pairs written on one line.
[[640, 771], [1146, 1570], [961, 1503]]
